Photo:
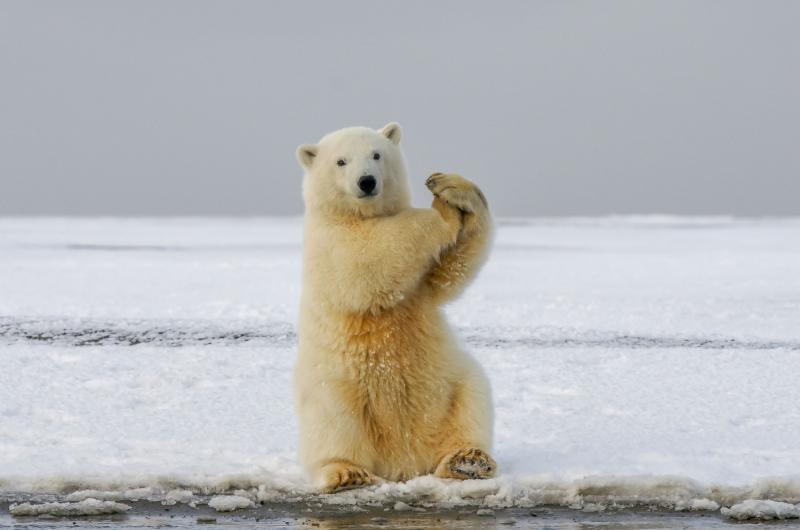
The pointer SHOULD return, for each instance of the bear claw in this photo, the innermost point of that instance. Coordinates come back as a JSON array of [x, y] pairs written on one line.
[[344, 476], [471, 463]]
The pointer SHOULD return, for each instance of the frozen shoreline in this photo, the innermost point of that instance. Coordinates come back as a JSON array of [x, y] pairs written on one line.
[[594, 494], [147, 515]]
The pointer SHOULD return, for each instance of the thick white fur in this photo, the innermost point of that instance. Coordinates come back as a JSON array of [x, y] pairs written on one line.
[[383, 390]]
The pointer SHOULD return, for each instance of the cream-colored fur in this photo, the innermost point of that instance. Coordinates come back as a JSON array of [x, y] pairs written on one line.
[[383, 390]]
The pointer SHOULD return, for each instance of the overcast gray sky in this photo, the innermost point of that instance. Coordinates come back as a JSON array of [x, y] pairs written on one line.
[[195, 107]]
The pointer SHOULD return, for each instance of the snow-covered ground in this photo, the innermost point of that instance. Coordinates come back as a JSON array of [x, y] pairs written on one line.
[[636, 361]]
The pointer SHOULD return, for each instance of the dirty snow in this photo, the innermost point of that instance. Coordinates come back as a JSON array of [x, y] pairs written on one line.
[[635, 361], [85, 507]]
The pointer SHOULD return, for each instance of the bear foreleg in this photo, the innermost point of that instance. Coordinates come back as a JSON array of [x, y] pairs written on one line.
[[455, 195]]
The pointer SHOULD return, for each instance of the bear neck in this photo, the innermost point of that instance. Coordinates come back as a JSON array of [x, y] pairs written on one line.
[[342, 215], [345, 212]]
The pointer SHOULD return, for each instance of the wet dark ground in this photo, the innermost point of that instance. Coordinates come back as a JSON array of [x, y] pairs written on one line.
[[152, 515]]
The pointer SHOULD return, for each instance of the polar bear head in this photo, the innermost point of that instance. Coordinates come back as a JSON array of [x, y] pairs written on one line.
[[356, 171]]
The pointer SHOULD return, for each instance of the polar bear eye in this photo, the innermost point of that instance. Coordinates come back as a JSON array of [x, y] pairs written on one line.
[[376, 156], [341, 162]]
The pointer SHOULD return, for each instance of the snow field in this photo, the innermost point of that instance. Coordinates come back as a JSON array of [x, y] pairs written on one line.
[[634, 362]]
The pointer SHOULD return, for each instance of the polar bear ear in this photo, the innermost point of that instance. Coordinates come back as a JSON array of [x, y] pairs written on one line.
[[392, 132], [306, 154]]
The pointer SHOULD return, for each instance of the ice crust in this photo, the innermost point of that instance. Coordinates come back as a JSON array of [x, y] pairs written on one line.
[[85, 507], [634, 361]]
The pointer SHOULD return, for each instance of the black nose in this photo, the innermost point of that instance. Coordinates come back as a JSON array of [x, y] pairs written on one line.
[[367, 183]]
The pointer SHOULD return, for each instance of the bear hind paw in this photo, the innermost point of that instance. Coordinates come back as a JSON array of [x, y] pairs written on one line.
[[470, 463], [338, 476]]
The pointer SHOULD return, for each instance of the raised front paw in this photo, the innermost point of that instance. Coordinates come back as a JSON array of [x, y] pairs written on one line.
[[467, 464], [338, 476], [457, 192]]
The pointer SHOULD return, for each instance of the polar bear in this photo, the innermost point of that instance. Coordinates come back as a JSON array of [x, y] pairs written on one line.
[[382, 388]]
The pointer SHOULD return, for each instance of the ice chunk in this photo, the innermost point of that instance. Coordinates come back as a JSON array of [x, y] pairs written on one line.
[[762, 510], [229, 503]]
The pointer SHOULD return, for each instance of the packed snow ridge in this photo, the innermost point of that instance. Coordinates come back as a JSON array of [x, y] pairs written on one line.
[[228, 493]]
